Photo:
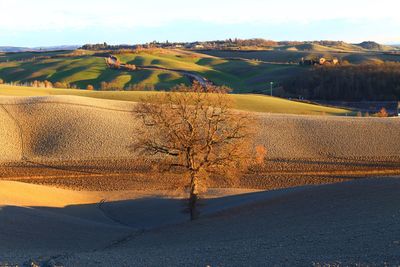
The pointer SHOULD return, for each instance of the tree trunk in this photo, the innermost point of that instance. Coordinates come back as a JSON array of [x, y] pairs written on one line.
[[194, 197]]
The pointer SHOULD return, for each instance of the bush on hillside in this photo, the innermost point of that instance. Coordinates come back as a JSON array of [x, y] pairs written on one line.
[[382, 113], [61, 85]]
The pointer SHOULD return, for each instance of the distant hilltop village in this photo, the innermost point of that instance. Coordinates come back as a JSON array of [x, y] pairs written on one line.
[[254, 44], [230, 44]]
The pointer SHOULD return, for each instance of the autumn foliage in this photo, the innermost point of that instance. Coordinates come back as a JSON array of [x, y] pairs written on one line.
[[194, 131], [382, 113]]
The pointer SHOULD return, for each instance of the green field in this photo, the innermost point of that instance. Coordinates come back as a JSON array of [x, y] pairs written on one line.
[[254, 103], [5, 57], [81, 70], [243, 71]]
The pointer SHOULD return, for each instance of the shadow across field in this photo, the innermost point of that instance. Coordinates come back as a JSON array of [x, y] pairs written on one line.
[[350, 223], [47, 231], [143, 213]]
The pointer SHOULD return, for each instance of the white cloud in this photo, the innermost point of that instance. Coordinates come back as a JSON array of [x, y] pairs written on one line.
[[28, 15]]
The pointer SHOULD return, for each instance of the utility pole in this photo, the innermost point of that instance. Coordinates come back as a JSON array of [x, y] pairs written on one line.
[[272, 87], [398, 109]]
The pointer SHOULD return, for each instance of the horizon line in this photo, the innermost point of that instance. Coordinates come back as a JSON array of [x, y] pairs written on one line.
[[201, 41]]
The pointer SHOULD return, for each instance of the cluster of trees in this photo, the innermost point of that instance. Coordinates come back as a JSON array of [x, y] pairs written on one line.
[[140, 87], [228, 44], [105, 46], [269, 43], [110, 86], [130, 67], [65, 85], [96, 47], [216, 44], [42, 84], [379, 82], [48, 84], [104, 86], [383, 113], [252, 42], [114, 63]]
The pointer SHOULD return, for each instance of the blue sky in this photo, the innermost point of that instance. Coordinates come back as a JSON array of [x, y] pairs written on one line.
[[66, 22]]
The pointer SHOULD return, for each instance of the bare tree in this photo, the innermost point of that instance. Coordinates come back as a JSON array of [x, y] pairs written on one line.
[[194, 130]]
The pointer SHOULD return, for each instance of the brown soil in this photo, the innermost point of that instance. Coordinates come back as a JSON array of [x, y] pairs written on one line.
[[114, 175]]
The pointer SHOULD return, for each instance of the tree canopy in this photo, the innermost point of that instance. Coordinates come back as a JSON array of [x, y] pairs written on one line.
[[194, 130]]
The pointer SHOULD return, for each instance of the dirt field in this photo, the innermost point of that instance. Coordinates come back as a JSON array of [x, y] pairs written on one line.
[[73, 192], [126, 174], [84, 144], [351, 224], [347, 224]]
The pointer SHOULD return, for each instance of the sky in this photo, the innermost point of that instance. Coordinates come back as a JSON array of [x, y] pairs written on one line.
[[33, 23]]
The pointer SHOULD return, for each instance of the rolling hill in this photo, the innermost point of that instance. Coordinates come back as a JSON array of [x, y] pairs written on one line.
[[14, 49], [295, 55], [338, 46], [162, 69], [374, 46], [82, 69], [69, 127], [254, 103]]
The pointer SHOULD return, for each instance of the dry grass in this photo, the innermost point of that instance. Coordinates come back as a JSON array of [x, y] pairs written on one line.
[[253, 103]]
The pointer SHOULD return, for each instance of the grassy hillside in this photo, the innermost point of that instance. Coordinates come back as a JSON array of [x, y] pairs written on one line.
[[326, 46], [5, 57], [84, 69], [243, 71], [295, 55], [254, 103]]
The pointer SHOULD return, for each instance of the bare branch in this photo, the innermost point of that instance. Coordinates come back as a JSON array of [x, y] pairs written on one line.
[[196, 130]]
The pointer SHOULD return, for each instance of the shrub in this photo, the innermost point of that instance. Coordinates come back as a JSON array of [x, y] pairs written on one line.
[[61, 85], [382, 113], [261, 153]]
